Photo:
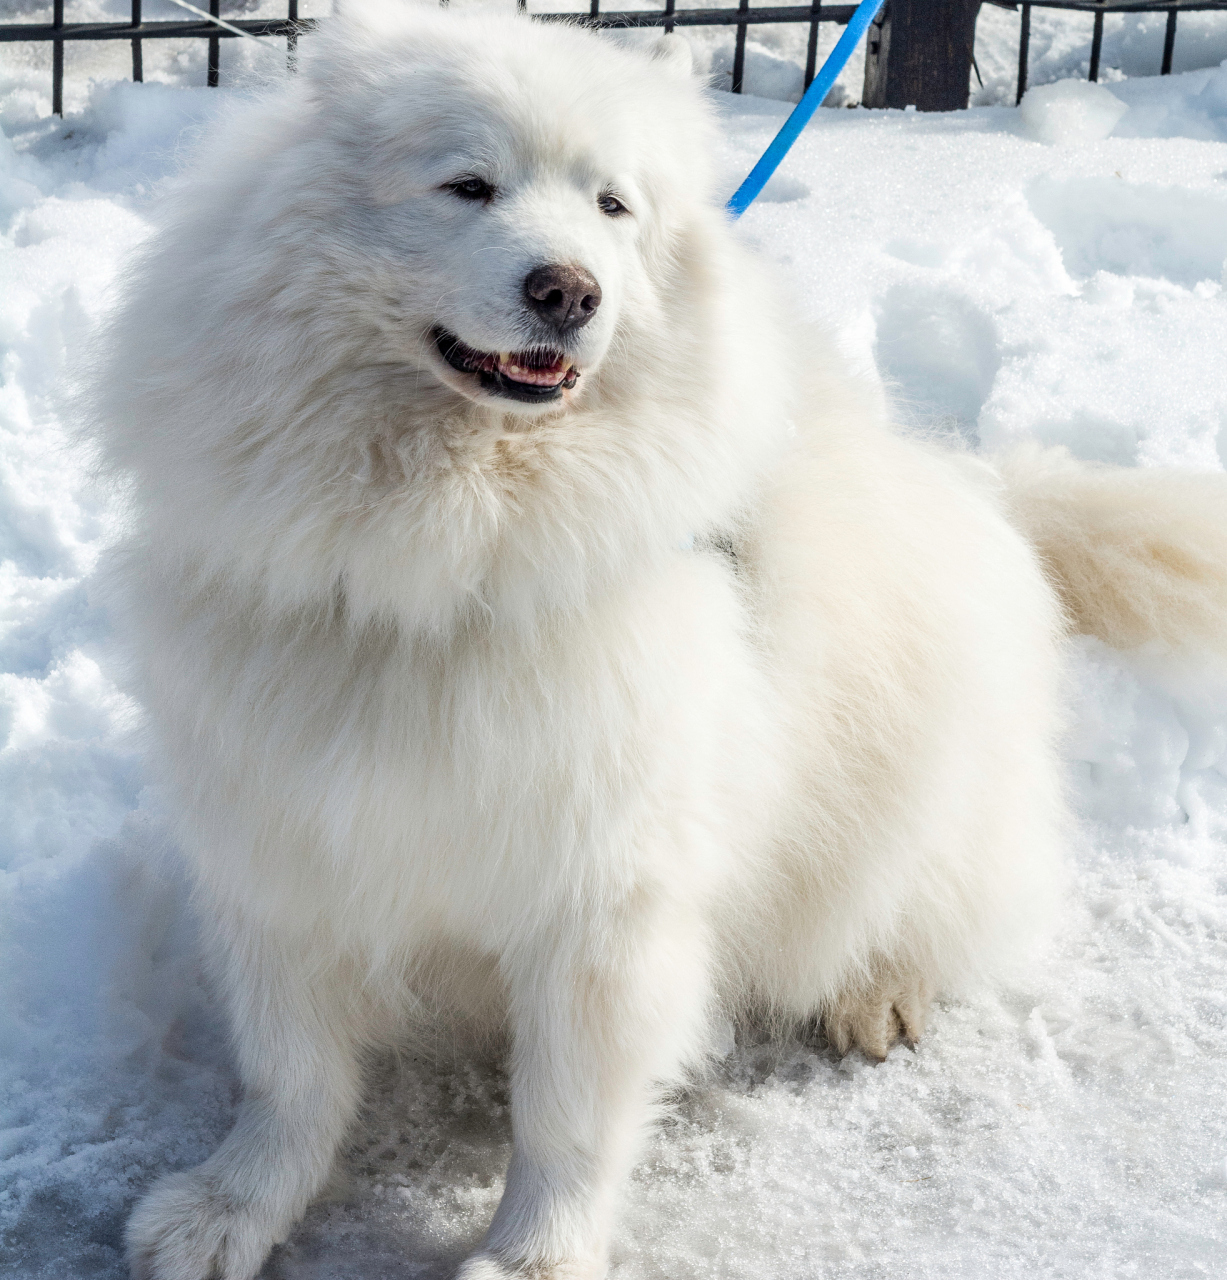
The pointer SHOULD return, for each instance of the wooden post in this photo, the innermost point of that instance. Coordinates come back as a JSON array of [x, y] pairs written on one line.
[[919, 54]]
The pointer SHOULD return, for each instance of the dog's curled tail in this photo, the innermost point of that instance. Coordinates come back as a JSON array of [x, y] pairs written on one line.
[[1136, 554]]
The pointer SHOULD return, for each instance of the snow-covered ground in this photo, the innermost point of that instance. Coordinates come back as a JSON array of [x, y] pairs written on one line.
[[1070, 1124]]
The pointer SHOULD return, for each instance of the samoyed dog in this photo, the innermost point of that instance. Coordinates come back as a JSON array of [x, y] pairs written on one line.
[[541, 630]]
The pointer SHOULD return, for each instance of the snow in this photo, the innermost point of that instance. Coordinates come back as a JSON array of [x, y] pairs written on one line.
[[1069, 1124], [1070, 111]]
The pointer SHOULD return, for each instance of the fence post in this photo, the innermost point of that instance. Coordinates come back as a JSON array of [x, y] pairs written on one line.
[[57, 62], [919, 54], [291, 41], [1024, 51], [739, 49], [215, 46], [1096, 45], [138, 62], [811, 48], [1169, 43]]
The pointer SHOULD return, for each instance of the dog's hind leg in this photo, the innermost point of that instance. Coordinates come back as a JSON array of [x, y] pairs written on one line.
[[603, 1014], [296, 1033]]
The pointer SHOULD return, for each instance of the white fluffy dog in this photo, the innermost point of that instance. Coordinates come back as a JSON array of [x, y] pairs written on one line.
[[541, 631]]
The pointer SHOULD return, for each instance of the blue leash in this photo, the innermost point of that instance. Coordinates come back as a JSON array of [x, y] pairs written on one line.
[[858, 24]]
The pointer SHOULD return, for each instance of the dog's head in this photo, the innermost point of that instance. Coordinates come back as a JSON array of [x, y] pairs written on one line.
[[449, 320], [512, 187]]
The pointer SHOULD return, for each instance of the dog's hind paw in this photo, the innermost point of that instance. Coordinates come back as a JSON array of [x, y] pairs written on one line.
[[872, 1019], [186, 1229]]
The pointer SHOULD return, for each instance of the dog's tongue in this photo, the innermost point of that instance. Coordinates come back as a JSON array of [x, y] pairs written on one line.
[[531, 368]]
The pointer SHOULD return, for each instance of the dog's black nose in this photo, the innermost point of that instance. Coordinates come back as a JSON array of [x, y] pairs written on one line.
[[565, 297]]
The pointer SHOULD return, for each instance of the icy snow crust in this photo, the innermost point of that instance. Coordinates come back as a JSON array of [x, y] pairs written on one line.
[[1070, 1124]]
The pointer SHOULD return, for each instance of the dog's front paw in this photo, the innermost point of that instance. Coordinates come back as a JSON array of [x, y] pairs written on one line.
[[186, 1228], [873, 1019], [486, 1266]]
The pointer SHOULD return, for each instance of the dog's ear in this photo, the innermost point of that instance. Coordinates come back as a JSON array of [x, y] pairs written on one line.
[[674, 52]]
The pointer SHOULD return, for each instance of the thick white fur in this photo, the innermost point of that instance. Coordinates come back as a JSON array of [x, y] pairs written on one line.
[[1137, 556], [467, 707]]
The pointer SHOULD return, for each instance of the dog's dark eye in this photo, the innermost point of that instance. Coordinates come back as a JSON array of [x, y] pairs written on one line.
[[610, 204], [471, 189]]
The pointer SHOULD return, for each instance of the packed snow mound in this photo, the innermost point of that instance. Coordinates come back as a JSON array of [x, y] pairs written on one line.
[[1193, 105], [1068, 1124], [1070, 112]]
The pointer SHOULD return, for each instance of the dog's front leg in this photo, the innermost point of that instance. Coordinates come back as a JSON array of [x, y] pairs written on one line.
[[297, 1023], [605, 1011]]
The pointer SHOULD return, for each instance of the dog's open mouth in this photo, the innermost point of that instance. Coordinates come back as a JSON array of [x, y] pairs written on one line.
[[536, 375]]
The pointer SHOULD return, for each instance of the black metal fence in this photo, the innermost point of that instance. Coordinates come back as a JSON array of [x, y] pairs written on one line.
[[138, 31], [1100, 8], [291, 26]]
